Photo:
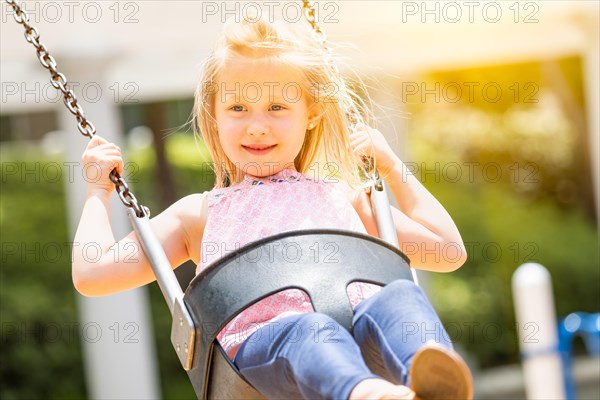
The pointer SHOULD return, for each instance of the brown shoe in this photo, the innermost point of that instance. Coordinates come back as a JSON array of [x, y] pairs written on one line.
[[437, 373]]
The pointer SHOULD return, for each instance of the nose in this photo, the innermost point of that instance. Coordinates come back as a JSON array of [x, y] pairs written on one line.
[[258, 126]]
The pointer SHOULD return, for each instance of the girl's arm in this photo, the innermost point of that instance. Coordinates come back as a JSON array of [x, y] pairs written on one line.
[[426, 232], [102, 266]]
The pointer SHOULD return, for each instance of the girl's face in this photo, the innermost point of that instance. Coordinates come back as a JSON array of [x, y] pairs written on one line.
[[262, 115]]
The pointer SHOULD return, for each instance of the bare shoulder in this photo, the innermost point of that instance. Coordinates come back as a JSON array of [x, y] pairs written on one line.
[[191, 213], [190, 206], [193, 216]]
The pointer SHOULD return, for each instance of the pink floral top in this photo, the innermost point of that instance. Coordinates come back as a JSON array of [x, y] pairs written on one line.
[[259, 207]]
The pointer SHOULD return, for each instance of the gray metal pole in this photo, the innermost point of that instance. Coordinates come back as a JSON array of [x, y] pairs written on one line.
[[117, 337]]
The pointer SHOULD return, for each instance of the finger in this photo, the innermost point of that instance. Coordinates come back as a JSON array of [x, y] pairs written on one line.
[[117, 163], [106, 149], [109, 154], [354, 135], [362, 150], [109, 146], [102, 144], [362, 143], [359, 137], [119, 168], [360, 127], [96, 141], [356, 148]]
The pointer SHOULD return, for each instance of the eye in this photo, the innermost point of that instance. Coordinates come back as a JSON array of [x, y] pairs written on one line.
[[277, 107], [237, 107]]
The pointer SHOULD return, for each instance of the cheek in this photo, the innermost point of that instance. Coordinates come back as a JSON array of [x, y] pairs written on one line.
[[225, 139], [299, 140], [229, 129]]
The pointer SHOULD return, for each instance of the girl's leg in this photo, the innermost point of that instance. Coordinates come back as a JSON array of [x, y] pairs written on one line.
[[307, 355], [392, 325]]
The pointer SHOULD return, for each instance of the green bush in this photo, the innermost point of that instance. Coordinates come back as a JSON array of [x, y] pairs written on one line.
[[39, 360], [501, 231]]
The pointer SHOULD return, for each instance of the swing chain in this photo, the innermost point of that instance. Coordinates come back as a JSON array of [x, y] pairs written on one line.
[[309, 14], [57, 79], [59, 82], [126, 195], [352, 115]]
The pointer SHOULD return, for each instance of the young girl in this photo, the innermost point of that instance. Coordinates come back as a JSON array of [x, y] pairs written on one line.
[[272, 112]]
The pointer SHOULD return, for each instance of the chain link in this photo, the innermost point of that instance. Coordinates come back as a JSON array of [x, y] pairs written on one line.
[[309, 14], [352, 114], [59, 82]]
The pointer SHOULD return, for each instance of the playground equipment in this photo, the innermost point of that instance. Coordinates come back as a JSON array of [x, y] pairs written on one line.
[[575, 324]]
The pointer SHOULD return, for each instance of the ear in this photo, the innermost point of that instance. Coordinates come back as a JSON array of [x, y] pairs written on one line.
[[312, 123], [314, 116]]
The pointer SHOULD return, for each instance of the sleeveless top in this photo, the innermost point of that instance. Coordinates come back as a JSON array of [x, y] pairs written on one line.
[[259, 207]]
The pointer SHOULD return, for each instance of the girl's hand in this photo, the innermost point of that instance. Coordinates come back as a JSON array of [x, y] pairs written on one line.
[[366, 141], [99, 159]]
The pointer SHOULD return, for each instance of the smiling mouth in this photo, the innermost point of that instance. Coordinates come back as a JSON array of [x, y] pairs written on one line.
[[258, 149]]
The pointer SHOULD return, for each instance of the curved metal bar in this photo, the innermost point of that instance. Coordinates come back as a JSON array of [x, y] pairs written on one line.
[[382, 210], [165, 276], [182, 330]]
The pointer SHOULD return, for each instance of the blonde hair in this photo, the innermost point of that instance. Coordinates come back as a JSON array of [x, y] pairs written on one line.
[[327, 145]]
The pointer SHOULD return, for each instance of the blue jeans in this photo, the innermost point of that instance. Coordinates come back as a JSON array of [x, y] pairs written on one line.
[[311, 356]]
